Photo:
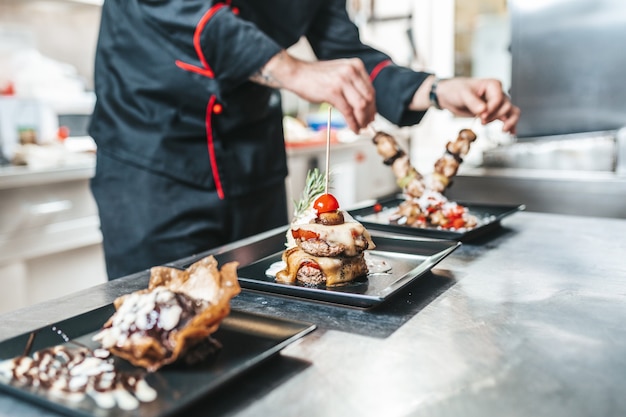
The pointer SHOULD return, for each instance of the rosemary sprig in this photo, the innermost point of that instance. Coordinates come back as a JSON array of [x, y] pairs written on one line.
[[314, 186]]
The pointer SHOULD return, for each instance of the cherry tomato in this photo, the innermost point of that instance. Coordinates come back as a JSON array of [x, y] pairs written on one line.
[[325, 204], [378, 208]]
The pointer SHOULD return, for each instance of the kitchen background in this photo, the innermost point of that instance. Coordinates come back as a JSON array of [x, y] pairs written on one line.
[[49, 237]]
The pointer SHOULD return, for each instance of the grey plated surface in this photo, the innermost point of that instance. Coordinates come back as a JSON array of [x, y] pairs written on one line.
[[528, 321]]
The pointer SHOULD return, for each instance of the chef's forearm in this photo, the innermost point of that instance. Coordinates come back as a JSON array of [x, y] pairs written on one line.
[[421, 99], [273, 73]]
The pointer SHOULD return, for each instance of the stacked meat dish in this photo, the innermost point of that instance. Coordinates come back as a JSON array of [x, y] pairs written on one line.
[[325, 246], [425, 205]]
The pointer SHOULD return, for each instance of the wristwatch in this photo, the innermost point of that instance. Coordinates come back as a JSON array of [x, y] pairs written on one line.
[[434, 100]]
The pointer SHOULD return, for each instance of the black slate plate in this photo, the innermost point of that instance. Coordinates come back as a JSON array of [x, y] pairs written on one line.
[[247, 340], [489, 216], [408, 257]]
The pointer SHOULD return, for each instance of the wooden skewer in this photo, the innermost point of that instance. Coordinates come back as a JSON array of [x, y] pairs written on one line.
[[29, 343], [330, 108]]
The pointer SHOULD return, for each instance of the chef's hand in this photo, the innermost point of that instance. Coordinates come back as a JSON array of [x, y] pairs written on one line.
[[471, 97], [343, 83]]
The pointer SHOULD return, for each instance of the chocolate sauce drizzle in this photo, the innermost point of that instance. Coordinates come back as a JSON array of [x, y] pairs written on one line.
[[76, 372]]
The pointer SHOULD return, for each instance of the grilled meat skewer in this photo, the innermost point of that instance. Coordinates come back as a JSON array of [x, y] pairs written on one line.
[[447, 166], [408, 178]]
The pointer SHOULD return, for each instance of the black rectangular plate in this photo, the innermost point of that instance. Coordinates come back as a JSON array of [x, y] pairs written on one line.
[[408, 257], [489, 216], [247, 340]]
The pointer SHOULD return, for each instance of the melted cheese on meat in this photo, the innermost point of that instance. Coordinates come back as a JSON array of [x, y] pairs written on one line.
[[336, 270], [340, 234]]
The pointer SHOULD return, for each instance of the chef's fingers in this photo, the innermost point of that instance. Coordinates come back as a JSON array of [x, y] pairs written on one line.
[[357, 115], [510, 120], [462, 96], [345, 84], [501, 108], [473, 104], [362, 107], [340, 100], [358, 92], [344, 108], [509, 115], [495, 98], [361, 80], [351, 92], [482, 98]]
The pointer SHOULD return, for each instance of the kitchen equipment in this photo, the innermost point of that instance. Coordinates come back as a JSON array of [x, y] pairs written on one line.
[[25, 120], [75, 113], [592, 151], [567, 66]]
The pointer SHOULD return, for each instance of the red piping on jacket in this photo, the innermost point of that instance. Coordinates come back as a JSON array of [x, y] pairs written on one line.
[[378, 68], [206, 71], [209, 137]]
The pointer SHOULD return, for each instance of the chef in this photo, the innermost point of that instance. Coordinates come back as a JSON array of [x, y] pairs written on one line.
[[188, 119]]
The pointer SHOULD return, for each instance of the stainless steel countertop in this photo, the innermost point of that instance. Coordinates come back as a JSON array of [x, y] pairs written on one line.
[[529, 321], [23, 176]]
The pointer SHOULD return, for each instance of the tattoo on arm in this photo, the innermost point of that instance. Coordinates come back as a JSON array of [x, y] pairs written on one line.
[[265, 77]]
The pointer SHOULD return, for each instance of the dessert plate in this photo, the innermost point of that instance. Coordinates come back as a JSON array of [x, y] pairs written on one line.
[[247, 340]]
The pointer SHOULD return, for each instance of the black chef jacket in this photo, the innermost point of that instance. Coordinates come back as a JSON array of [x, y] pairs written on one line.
[[173, 89]]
